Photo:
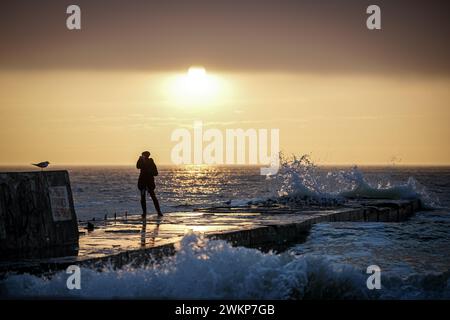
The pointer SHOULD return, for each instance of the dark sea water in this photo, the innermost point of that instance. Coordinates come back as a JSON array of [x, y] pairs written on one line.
[[414, 256], [108, 190]]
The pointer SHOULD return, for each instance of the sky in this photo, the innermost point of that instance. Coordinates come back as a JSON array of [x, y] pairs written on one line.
[[335, 90]]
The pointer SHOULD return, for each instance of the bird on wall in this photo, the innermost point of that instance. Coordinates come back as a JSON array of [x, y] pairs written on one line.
[[41, 165]]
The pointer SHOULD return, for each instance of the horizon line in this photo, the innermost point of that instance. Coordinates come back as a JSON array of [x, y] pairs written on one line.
[[21, 165]]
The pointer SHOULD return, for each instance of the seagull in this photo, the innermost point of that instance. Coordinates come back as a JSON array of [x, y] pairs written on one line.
[[41, 165]]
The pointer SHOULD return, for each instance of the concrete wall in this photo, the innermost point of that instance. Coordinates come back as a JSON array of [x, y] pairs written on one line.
[[280, 237], [37, 215], [276, 237]]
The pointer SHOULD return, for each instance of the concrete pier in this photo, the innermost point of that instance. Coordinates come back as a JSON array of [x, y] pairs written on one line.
[[130, 241], [37, 216]]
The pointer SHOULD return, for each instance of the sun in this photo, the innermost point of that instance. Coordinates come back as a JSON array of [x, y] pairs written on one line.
[[197, 83], [195, 87]]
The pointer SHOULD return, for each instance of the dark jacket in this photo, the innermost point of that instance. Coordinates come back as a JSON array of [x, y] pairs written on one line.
[[148, 172]]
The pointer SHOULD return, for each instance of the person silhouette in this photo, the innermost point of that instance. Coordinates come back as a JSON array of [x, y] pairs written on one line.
[[146, 181]]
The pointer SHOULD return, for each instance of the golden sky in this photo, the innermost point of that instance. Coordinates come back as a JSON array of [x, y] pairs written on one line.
[[310, 68], [92, 117]]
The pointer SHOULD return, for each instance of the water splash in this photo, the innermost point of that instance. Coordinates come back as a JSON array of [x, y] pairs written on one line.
[[212, 269], [300, 179]]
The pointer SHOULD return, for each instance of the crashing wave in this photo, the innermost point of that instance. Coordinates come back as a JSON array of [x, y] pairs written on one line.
[[213, 269], [299, 181]]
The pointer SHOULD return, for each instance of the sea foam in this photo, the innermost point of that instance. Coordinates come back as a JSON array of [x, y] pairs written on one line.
[[213, 269], [300, 178]]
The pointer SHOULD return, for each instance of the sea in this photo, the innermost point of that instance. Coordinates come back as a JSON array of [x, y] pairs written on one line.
[[413, 256]]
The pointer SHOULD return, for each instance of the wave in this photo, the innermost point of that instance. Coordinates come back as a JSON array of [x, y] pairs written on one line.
[[362, 189], [213, 269], [300, 179]]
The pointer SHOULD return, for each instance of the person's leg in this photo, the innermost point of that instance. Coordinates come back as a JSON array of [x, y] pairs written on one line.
[[143, 203], [155, 200]]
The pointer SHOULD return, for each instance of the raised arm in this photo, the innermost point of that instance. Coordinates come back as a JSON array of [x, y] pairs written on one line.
[[139, 163], [154, 168]]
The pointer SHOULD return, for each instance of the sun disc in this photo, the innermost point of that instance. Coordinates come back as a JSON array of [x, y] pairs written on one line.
[[195, 87]]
